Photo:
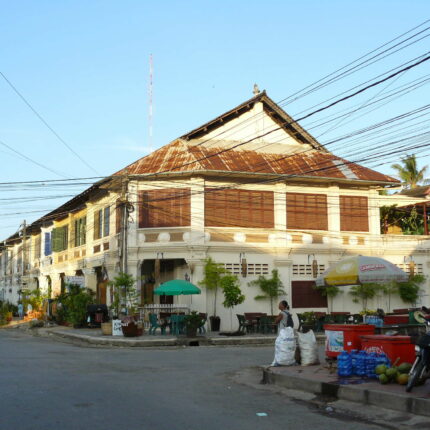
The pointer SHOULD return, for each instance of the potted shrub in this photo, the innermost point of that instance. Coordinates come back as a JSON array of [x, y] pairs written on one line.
[[191, 323], [309, 321], [125, 297], [75, 303], [213, 273]]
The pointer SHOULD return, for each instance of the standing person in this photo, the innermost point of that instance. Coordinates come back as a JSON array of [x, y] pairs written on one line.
[[20, 310], [284, 319]]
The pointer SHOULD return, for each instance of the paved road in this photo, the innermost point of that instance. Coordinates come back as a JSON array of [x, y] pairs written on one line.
[[48, 385]]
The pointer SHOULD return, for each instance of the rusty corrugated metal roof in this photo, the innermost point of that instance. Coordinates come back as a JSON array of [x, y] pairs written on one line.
[[181, 156]]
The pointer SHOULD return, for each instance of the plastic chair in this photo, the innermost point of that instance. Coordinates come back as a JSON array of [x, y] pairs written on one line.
[[244, 326], [177, 324], [154, 325], [267, 325]]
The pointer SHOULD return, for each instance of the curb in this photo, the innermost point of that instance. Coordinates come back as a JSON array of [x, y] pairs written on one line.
[[147, 342], [374, 397]]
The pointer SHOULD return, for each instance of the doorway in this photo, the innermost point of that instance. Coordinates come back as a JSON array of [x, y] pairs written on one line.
[[101, 286], [169, 269]]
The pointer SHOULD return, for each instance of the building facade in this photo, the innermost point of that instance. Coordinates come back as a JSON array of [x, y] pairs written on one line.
[[251, 189]]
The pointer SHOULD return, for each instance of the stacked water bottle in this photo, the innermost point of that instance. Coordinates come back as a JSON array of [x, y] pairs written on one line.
[[374, 319], [360, 363]]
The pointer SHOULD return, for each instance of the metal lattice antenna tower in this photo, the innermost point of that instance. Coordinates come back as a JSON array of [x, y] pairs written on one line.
[[151, 69]]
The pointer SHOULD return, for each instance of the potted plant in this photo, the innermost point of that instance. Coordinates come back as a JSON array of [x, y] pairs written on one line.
[[309, 321], [271, 288], [75, 304], [213, 273], [232, 294], [191, 323], [125, 298]]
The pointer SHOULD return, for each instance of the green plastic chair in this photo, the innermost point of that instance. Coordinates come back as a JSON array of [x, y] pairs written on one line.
[[267, 325], [243, 324], [177, 324], [153, 320]]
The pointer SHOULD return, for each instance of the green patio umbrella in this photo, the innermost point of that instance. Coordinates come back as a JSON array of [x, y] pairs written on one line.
[[177, 287]]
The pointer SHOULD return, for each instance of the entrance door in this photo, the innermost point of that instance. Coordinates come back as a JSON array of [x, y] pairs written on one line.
[[101, 286], [101, 292]]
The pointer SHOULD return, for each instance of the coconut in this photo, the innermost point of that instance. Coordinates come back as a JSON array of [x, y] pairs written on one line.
[[402, 378], [383, 379], [380, 369], [404, 368]]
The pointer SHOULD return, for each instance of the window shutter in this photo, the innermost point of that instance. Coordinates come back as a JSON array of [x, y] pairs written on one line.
[[106, 221], [118, 214], [165, 208], [239, 208], [55, 240], [96, 225], [48, 250], [307, 211], [354, 213]]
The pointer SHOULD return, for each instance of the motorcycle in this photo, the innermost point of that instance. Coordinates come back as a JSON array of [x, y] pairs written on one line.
[[420, 370]]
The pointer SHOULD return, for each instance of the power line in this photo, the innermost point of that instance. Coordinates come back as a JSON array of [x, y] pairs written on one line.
[[45, 122]]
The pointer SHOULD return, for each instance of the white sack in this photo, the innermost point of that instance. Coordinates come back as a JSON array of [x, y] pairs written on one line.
[[285, 348], [308, 348]]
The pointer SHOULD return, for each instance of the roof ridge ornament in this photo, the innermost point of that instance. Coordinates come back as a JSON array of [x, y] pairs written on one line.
[[256, 90]]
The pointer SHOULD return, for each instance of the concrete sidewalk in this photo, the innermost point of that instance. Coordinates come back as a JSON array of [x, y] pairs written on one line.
[[320, 380], [94, 337]]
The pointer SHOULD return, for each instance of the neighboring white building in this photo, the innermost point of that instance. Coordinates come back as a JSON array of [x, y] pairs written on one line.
[[251, 189]]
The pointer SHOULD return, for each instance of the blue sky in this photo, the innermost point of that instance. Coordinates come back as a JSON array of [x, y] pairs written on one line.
[[83, 65]]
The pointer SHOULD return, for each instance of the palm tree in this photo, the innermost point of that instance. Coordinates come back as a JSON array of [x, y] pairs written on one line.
[[408, 172]]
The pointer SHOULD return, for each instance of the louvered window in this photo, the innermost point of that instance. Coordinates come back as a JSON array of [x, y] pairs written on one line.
[[48, 248], [307, 211], [165, 208], [60, 237], [118, 216], [80, 226], [101, 222], [354, 213], [37, 246], [239, 208]]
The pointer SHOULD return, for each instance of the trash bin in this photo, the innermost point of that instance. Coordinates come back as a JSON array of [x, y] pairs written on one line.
[[395, 347], [344, 337]]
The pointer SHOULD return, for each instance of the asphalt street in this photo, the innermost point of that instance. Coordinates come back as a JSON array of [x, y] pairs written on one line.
[[49, 385]]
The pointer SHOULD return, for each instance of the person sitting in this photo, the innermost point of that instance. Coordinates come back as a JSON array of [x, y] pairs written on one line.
[[284, 319]]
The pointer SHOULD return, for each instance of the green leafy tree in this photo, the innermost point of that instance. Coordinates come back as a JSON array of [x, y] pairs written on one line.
[[75, 303], [409, 173], [364, 292], [34, 298], [409, 291], [124, 294], [213, 273], [271, 288], [232, 294]]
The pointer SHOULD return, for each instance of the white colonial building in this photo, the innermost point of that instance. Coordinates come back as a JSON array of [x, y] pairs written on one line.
[[251, 189]]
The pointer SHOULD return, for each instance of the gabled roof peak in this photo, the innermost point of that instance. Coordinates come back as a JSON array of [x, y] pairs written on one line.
[[272, 109]]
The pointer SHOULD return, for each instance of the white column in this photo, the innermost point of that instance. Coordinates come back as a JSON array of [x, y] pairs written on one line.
[[197, 211], [280, 207], [333, 209], [374, 215]]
